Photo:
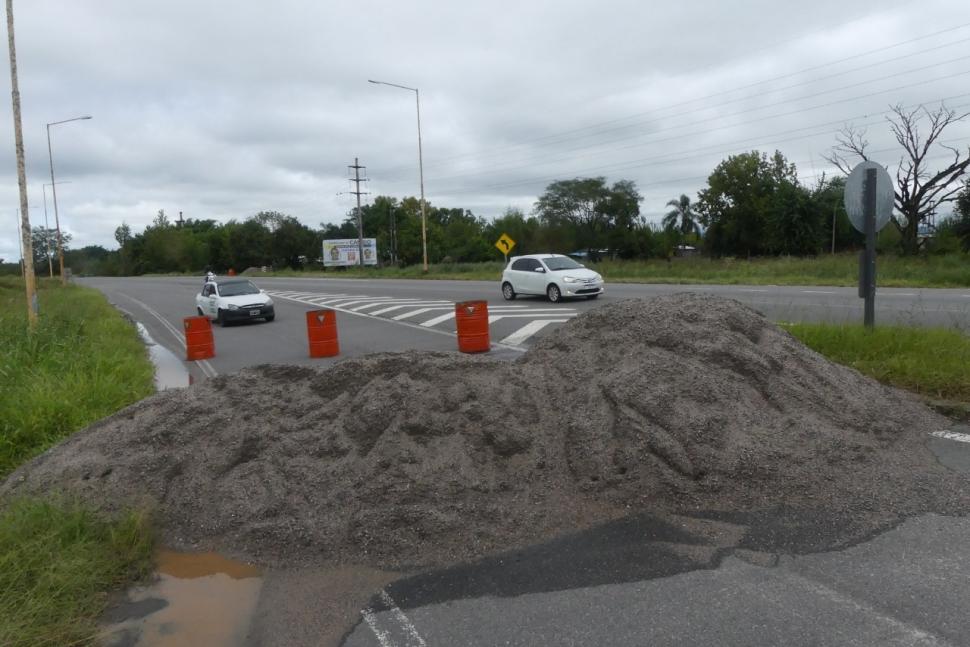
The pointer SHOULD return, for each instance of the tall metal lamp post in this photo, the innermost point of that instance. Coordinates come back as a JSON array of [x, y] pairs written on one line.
[[424, 218], [47, 238], [57, 220]]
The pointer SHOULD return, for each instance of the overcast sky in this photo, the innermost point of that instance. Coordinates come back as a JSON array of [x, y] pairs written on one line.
[[223, 109]]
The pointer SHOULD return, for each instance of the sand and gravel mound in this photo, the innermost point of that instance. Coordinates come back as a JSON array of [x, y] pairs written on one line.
[[679, 403]]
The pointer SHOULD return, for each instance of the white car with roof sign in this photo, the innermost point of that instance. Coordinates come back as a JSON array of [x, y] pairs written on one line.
[[554, 275], [233, 299]]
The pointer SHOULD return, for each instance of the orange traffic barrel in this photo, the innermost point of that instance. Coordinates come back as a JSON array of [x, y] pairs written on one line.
[[198, 338], [471, 318], [321, 331]]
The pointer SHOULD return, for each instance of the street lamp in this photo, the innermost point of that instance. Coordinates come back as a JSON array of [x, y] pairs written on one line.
[[424, 218], [57, 220], [47, 238]]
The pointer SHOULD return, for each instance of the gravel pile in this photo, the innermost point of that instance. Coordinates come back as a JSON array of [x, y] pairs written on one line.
[[679, 404]]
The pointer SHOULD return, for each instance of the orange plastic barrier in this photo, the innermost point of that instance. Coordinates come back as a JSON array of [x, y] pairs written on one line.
[[321, 330], [198, 338], [471, 318]]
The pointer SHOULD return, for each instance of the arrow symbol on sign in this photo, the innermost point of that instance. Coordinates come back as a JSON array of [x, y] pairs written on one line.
[[506, 243]]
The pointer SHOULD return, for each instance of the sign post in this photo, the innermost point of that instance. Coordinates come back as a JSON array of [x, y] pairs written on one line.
[[505, 245], [869, 199]]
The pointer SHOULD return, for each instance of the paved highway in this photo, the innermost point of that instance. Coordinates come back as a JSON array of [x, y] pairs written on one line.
[[639, 581], [389, 315]]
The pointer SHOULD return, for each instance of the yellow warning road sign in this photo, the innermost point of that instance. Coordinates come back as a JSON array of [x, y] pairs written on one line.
[[505, 244]]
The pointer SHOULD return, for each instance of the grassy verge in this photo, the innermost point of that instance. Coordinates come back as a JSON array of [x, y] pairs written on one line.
[[57, 559], [934, 363], [944, 271], [82, 363]]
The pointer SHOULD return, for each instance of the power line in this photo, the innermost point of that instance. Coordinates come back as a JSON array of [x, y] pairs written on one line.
[[718, 94]]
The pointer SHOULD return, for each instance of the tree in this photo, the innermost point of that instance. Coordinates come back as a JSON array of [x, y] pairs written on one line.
[[743, 196], [681, 217], [961, 213], [919, 190], [594, 214], [43, 243], [123, 234]]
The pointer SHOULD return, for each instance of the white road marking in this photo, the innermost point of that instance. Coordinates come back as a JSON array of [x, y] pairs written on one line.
[[405, 305], [371, 620], [404, 625], [952, 435], [414, 638], [355, 300], [384, 303], [897, 294], [817, 292], [751, 290], [439, 319], [413, 313], [520, 315], [207, 369], [526, 331]]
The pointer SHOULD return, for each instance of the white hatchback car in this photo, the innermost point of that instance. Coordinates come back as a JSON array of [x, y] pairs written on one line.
[[553, 275], [234, 299]]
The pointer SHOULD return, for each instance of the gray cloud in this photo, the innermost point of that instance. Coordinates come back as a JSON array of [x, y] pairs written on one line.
[[221, 109]]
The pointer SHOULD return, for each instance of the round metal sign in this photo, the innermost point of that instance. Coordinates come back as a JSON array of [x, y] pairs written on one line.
[[855, 196]]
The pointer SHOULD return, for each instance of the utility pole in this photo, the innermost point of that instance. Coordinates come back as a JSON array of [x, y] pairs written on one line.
[[360, 223], [392, 221], [25, 242]]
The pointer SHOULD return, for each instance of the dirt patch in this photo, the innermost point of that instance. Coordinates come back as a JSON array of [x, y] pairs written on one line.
[[680, 403]]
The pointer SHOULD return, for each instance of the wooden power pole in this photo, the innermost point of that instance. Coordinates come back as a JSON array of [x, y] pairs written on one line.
[[25, 242]]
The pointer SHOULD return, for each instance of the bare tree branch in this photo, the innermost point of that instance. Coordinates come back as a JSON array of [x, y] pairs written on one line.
[[919, 190]]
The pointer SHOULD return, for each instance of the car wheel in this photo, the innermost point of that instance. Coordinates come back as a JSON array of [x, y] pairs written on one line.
[[553, 293], [590, 297], [270, 317], [507, 291], [220, 318]]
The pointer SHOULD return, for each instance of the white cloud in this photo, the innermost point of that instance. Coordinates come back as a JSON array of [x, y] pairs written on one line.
[[222, 109]]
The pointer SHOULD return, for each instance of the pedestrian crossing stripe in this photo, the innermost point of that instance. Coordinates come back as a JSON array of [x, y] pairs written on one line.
[[429, 313]]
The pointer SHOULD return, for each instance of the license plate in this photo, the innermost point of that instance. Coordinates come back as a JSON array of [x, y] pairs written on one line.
[[253, 313]]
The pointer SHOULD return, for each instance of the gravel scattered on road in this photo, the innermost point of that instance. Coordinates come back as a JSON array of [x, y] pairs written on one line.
[[682, 404]]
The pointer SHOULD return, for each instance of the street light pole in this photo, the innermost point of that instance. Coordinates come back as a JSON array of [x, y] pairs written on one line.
[[424, 218], [57, 220], [47, 229]]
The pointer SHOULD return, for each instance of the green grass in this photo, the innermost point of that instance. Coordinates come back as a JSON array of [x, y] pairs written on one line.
[[58, 561], [934, 363], [934, 271], [82, 363]]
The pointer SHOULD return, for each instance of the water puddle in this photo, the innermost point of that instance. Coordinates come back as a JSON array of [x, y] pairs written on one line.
[[170, 372], [197, 599]]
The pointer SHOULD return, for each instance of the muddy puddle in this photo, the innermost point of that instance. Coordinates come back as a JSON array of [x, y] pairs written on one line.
[[196, 599]]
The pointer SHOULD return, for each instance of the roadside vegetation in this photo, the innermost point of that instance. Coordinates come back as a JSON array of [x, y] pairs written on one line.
[[82, 363], [930, 271], [58, 560], [934, 363], [57, 563]]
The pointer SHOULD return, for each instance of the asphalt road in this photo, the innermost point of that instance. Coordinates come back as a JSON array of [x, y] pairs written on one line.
[[639, 581], [390, 315]]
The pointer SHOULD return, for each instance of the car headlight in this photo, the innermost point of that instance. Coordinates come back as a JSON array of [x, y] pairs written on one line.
[[269, 302], [571, 279], [233, 306], [598, 277]]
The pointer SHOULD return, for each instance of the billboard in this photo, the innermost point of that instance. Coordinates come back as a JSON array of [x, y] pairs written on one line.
[[342, 252]]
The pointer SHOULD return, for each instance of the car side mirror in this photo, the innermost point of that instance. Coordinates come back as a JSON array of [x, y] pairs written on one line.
[[540, 270]]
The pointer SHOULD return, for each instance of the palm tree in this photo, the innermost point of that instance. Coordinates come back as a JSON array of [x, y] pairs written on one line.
[[681, 217]]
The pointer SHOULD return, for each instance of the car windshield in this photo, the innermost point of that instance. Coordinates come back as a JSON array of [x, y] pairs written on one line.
[[557, 263], [237, 288]]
